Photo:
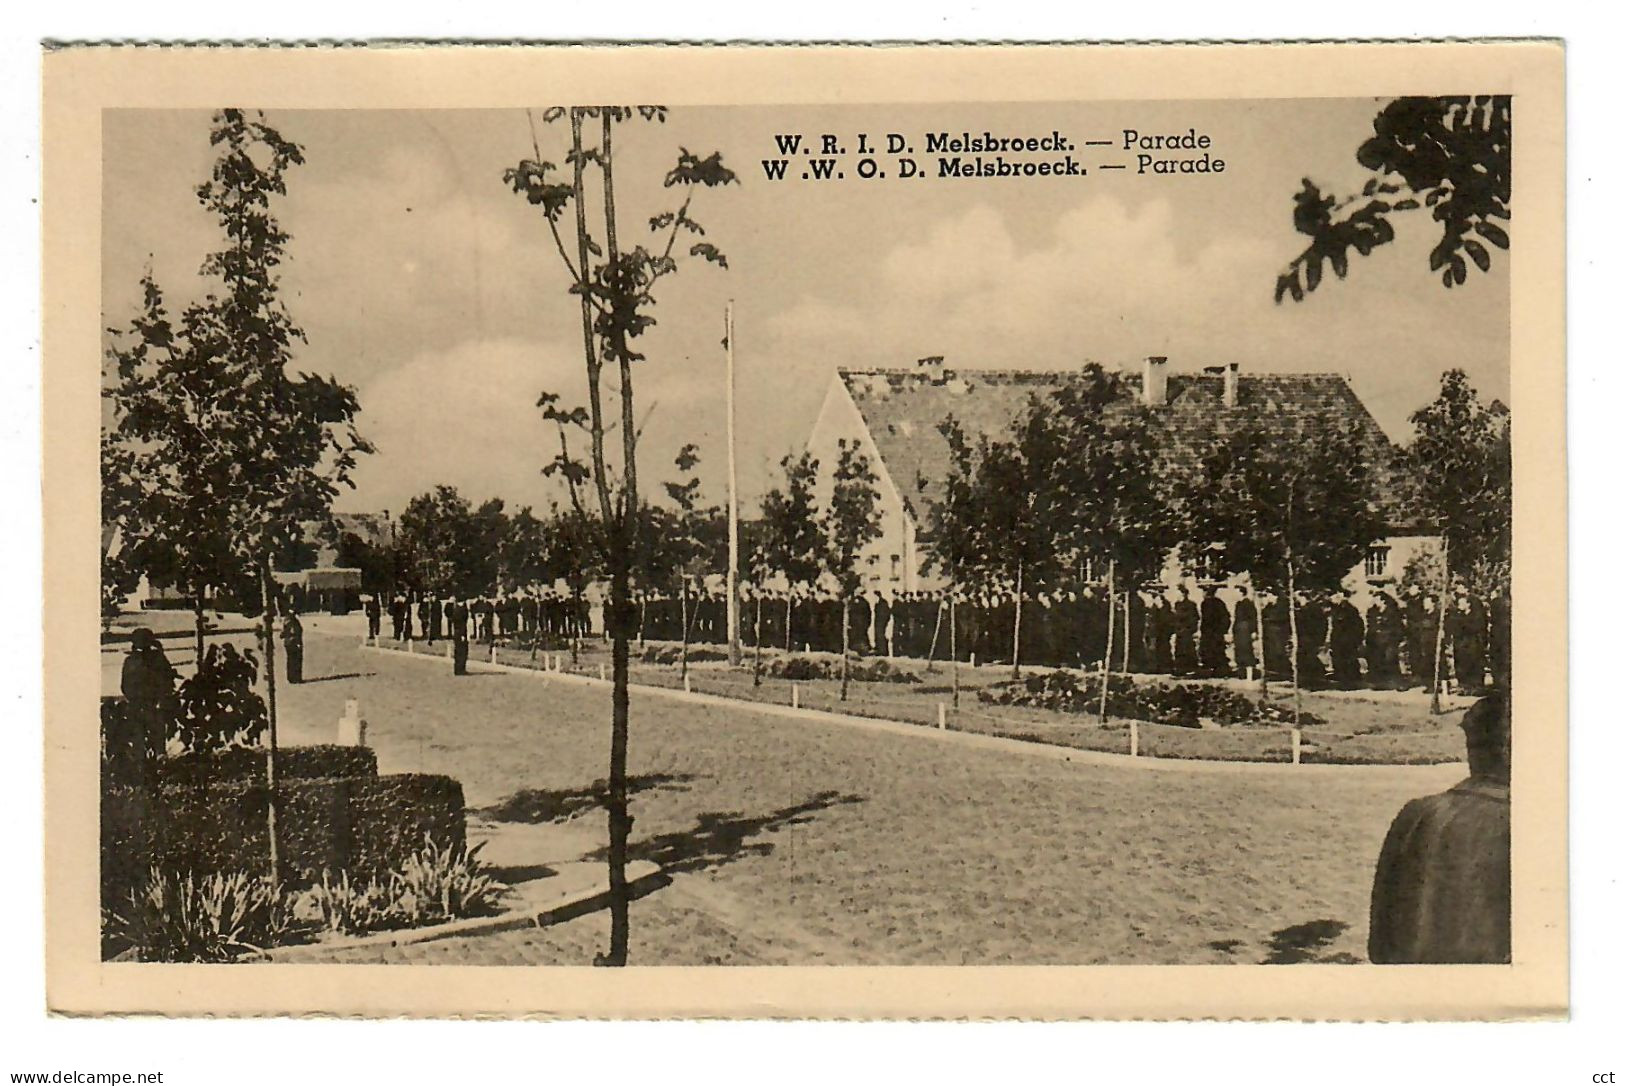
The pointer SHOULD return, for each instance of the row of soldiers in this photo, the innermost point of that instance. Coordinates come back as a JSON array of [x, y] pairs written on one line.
[[506, 617], [1392, 643]]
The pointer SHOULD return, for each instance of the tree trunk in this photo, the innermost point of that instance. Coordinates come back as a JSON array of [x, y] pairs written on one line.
[[1258, 653], [846, 642], [1436, 705], [1111, 622], [197, 624], [953, 642], [756, 665], [936, 629], [1015, 632], [268, 605], [789, 615], [683, 609], [1292, 619]]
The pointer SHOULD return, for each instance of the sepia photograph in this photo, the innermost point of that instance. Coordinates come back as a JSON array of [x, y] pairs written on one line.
[[857, 532]]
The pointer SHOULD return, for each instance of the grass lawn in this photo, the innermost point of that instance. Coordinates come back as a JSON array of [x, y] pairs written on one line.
[[1382, 728], [795, 842]]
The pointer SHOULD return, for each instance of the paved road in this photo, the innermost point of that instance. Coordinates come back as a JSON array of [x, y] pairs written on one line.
[[793, 842]]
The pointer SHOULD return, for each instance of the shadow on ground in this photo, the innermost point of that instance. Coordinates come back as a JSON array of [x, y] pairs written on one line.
[[538, 805], [1302, 943], [721, 837], [335, 678]]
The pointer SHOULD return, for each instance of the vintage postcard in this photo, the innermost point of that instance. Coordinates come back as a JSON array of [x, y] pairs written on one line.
[[922, 531]]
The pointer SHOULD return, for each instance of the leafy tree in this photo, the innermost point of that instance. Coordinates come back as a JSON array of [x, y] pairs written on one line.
[[376, 563], [615, 287], [448, 545], [522, 553], [1108, 492], [954, 543], [1012, 503], [272, 448], [692, 537], [166, 469], [850, 523], [1291, 504], [1461, 461], [792, 543], [1452, 155]]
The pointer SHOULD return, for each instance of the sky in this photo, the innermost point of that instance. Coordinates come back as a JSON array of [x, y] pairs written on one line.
[[422, 281]]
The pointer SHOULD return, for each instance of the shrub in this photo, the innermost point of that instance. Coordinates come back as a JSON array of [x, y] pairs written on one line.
[[671, 654], [183, 917], [367, 826], [440, 883], [219, 706], [350, 907], [808, 668], [434, 884], [292, 763], [1181, 704]]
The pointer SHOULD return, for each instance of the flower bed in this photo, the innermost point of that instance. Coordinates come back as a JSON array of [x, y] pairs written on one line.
[[810, 668], [1183, 705]]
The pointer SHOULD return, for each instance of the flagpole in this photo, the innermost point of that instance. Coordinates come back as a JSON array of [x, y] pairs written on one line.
[[733, 501]]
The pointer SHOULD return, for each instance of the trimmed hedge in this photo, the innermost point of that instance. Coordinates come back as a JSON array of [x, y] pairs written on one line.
[[324, 760], [366, 826]]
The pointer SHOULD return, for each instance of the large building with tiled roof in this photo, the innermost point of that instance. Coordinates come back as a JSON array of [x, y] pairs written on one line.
[[896, 413]]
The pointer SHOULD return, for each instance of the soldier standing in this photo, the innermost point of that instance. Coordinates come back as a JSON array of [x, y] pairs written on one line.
[[459, 637], [1213, 625], [1187, 624], [1277, 619], [1243, 632], [293, 646], [1347, 638], [374, 615], [1311, 639]]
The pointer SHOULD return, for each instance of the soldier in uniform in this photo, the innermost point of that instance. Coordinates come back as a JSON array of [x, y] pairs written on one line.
[[423, 616], [1442, 893], [1277, 619], [882, 606], [1382, 631], [1347, 639], [1159, 625], [459, 637], [1244, 632], [374, 614], [147, 682], [1187, 624], [1311, 639], [293, 646], [397, 616], [1213, 625], [1468, 629], [1500, 638]]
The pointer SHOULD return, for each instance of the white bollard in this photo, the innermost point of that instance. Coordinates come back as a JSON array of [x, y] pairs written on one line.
[[411, 647], [686, 689], [352, 731], [795, 696], [448, 650], [942, 717], [1297, 747], [1134, 739], [601, 675], [493, 653]]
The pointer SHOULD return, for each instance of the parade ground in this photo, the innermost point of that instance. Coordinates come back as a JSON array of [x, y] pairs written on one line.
[[800, 841]]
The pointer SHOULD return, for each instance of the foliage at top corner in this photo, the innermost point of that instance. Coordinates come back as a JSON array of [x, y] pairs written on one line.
[[1449, 155]]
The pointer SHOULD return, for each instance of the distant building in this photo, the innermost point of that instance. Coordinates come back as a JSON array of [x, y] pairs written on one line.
[[895, 414]]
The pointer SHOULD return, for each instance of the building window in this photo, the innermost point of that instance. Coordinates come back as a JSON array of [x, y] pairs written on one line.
[[1376, 561]]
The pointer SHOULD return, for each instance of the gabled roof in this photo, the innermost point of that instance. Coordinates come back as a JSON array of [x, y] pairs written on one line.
[[903, 408]]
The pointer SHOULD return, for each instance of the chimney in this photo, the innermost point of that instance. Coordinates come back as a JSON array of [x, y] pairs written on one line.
[[1154, 389], [1232, 384]]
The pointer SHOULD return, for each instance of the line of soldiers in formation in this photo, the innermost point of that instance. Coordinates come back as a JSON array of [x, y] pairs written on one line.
[[1392, 643], [431, 618]]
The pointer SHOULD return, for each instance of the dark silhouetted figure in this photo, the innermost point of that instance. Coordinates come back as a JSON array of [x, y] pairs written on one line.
[[293, 646], [1348, 638], [147, 682], [1443, 887], [1187, 623], [1215, 623], [1244, 634]]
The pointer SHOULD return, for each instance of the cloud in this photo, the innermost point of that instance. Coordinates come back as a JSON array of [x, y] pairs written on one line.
[[466, 417]]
